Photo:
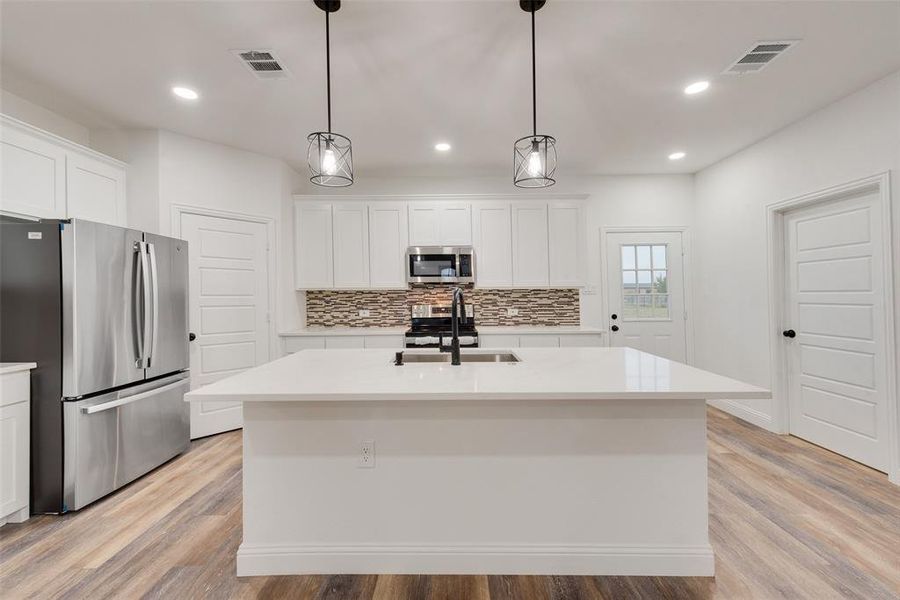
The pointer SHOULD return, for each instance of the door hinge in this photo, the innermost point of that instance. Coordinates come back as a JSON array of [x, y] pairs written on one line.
[[685, 315], [268, 317]]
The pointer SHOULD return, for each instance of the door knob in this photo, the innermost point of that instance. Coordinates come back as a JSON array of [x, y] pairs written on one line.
[[614, 328], [789, 333], [192, 336], [614, 316]]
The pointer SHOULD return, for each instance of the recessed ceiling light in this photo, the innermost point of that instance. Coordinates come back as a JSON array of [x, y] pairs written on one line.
[[442, 147], [696, 88], [677, 155], [186, 93]]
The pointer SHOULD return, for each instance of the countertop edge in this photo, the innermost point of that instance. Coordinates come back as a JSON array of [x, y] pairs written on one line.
[[479, 397], [6, 368]]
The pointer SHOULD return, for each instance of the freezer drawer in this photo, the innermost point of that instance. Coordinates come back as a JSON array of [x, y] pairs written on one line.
[[115, 438]]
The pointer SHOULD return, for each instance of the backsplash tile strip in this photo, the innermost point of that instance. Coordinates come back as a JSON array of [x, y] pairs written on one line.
[[390, 308]]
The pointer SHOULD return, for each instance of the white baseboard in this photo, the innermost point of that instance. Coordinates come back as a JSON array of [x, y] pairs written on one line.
[[760, 419], [477, 560]]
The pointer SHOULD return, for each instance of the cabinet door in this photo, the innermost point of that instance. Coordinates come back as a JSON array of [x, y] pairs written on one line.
[[301, 342], [14, 450], [492, 236], [388, 240], [32, 174], [440, 224], [95, 190], [394, 342], [455, 224], [566, 244], [498, 341], [338, 342], [580, 340], [424, 229], [530, 253], [539, 341], [350, 223], [313, 265]]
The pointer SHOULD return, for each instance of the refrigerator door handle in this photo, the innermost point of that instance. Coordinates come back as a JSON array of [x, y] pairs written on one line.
[[89, 410], [143, 360], [154, 272]]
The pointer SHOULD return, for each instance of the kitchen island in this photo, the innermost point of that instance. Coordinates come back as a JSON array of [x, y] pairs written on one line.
[[584, 461]]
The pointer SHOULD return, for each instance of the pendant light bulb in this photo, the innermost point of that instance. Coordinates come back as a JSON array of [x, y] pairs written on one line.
[[535, 164], [329, 160]]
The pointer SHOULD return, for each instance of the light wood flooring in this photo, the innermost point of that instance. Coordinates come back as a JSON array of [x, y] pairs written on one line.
[[788, 520]]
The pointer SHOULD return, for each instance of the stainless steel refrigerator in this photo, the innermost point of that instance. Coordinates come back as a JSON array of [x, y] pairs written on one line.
[[103, 312]]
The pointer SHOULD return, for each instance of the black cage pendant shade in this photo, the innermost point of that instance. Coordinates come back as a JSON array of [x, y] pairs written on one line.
[[330, 155], [534, 156]]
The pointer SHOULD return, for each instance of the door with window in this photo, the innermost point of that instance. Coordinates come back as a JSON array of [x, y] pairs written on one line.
[[645, 292], [229, 309], [835, 330]]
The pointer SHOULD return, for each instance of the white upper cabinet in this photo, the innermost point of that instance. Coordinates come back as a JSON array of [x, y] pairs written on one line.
[[492, 239], [95, 190], [566, 243], [440, 223], [32, 173], [388, 240], [350, 221], [45, 176], [313, 262], [530, 244]]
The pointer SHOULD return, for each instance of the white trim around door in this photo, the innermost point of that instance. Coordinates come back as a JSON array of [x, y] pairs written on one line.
[[271, 233], [775, 218]]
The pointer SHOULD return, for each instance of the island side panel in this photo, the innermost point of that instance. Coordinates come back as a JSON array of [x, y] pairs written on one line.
[[613, 487]]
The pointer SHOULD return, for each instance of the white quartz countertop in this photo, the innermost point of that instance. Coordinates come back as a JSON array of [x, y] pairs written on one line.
[[542, 374], [16, 367], [489, 330]]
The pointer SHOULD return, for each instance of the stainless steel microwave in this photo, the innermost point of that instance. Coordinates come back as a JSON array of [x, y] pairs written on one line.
[[440, 264]]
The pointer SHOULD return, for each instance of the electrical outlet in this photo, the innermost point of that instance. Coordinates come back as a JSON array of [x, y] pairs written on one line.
[[512, 312], [364, 312], [367, 455]]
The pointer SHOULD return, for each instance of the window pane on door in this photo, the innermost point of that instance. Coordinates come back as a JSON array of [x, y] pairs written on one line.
[[645, 289], [628, 257], [643, 257]]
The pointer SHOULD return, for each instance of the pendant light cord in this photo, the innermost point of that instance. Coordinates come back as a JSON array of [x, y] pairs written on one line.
[[328, 66], [533, 78]]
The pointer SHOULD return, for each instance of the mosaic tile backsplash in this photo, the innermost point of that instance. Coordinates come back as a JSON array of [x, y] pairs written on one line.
[[389, 308]]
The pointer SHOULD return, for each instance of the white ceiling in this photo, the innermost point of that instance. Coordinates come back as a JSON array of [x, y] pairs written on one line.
[[409, 74]]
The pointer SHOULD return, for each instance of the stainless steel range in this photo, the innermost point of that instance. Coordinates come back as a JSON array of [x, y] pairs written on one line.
[[431, 327]]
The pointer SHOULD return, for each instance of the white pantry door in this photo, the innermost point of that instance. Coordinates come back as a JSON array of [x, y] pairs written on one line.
[[229, 304], [645, 291], [837, 388]]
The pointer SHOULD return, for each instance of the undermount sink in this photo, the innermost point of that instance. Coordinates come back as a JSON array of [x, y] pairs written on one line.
[[466, 357]]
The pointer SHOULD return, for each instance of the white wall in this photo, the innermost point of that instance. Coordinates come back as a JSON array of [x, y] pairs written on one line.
[[856, 137], [613, 201], [37, 115]]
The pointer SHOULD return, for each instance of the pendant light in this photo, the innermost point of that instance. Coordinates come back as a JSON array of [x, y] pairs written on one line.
[[534, 156], [330, 154]]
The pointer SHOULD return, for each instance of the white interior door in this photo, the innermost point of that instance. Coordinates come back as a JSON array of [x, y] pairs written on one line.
[[645, 292], [836, 309], [229, 304]]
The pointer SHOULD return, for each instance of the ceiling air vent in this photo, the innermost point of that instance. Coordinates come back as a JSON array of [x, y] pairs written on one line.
[[758, 57], [262, 63]]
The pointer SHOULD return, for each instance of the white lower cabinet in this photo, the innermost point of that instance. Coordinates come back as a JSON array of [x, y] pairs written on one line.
[[338, 342], [15, 415], [540, 340], [581, 340], [291, 344]]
